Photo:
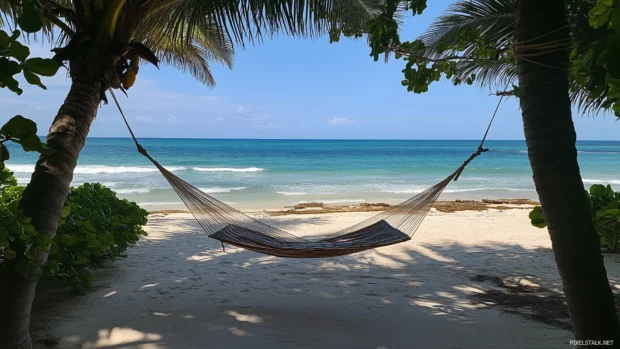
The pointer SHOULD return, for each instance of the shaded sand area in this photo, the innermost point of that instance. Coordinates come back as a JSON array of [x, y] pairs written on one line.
[[468, 279]]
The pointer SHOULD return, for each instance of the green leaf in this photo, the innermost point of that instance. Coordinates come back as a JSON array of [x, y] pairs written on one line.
[[66, 210], [617, 109], [598, 190], [30, 19], [4, 40], [42, 66], [81, 259], [613, 56], [33, 79], [19, 51], [615, 18], [69, 239], [613, 212], [539, 222], [537, 217], [31, 143], [14, 35], [4, 153], [145, 53], [10, 83], [9, 254], [599, 16], [19, 127], [8, 67]]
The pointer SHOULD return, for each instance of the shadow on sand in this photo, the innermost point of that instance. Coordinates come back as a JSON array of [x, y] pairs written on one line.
[[180, 290]]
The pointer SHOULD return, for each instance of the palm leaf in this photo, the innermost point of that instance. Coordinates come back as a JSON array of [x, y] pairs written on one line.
[[250, 20], [495, 20], [208, 45]]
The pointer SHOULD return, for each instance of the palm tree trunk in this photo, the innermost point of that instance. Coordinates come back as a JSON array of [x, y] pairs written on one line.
[[550, 136], [43, 201]]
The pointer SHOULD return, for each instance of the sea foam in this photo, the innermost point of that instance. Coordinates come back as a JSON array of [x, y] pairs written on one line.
[[98, 169], [106, 169], [215, 190], [228, 169]]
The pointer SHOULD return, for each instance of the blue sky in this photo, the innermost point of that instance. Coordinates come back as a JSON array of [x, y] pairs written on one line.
[[299, 88]]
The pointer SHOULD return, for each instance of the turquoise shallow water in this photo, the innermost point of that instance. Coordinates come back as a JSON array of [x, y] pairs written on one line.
[[276, 173]]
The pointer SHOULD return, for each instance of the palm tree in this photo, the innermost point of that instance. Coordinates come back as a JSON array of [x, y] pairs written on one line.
[[550, 137], [496, 21], [545, 101], [105, 42]]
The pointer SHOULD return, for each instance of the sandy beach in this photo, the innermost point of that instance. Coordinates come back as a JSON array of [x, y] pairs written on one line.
[[468, 279]]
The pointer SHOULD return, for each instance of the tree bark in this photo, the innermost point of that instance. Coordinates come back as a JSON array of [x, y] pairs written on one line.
[[551, 142], [43, 201]]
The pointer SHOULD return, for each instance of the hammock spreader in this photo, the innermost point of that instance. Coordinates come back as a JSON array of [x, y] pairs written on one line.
[[229, 225]]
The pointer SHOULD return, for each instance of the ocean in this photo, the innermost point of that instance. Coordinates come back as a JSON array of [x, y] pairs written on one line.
[[253, 174]]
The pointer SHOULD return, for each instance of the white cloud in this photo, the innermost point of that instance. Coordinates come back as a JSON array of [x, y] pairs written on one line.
[[144, 118], [340, 121], [271, 126], [173, 118], [212, 98]]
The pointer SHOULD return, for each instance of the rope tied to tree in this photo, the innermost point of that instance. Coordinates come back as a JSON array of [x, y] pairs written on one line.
[[526, 49]]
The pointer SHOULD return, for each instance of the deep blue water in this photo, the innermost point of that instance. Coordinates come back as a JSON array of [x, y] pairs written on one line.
[[273, 173]]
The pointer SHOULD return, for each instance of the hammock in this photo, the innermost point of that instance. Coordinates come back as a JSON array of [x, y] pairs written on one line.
[[229, 225]]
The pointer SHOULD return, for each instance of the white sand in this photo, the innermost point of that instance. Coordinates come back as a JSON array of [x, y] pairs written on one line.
[[178, 289]]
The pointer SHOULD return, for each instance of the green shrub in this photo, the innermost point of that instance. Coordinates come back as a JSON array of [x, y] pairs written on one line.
[[19, 242], [96, 225], [605, 210]]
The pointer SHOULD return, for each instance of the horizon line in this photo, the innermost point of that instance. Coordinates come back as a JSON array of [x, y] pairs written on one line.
[[333, 139]]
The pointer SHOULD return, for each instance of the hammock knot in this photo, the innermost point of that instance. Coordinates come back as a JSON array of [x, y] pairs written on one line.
[[479, 151], [141, 150]]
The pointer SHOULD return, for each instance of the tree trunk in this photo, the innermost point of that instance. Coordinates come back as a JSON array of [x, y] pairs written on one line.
[[550, 136], [43, 201]]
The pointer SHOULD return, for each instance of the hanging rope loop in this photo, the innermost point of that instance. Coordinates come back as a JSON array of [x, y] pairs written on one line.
[[141, 149], [479, 151]]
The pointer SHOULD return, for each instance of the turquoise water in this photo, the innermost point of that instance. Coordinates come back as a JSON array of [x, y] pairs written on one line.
[[276, 173]]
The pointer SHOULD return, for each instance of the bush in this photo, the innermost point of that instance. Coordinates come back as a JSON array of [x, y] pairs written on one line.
[[605, 210], [96, 225]]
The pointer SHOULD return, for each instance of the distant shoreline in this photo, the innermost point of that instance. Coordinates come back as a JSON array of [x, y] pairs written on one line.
[[441, 206]]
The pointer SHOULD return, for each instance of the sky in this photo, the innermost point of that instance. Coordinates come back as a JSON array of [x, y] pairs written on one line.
[[297, 88]]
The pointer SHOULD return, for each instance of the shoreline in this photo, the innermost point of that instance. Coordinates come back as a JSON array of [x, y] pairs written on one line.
[[445, 206]]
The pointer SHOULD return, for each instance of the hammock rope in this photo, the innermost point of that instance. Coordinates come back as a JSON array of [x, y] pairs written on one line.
[[229, 225]]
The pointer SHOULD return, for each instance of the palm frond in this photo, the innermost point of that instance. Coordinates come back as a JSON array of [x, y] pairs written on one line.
[[208, 45], [495, 20], [249, 20]]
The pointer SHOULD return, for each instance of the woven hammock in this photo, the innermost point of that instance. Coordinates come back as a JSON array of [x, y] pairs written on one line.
[[229, 225]]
